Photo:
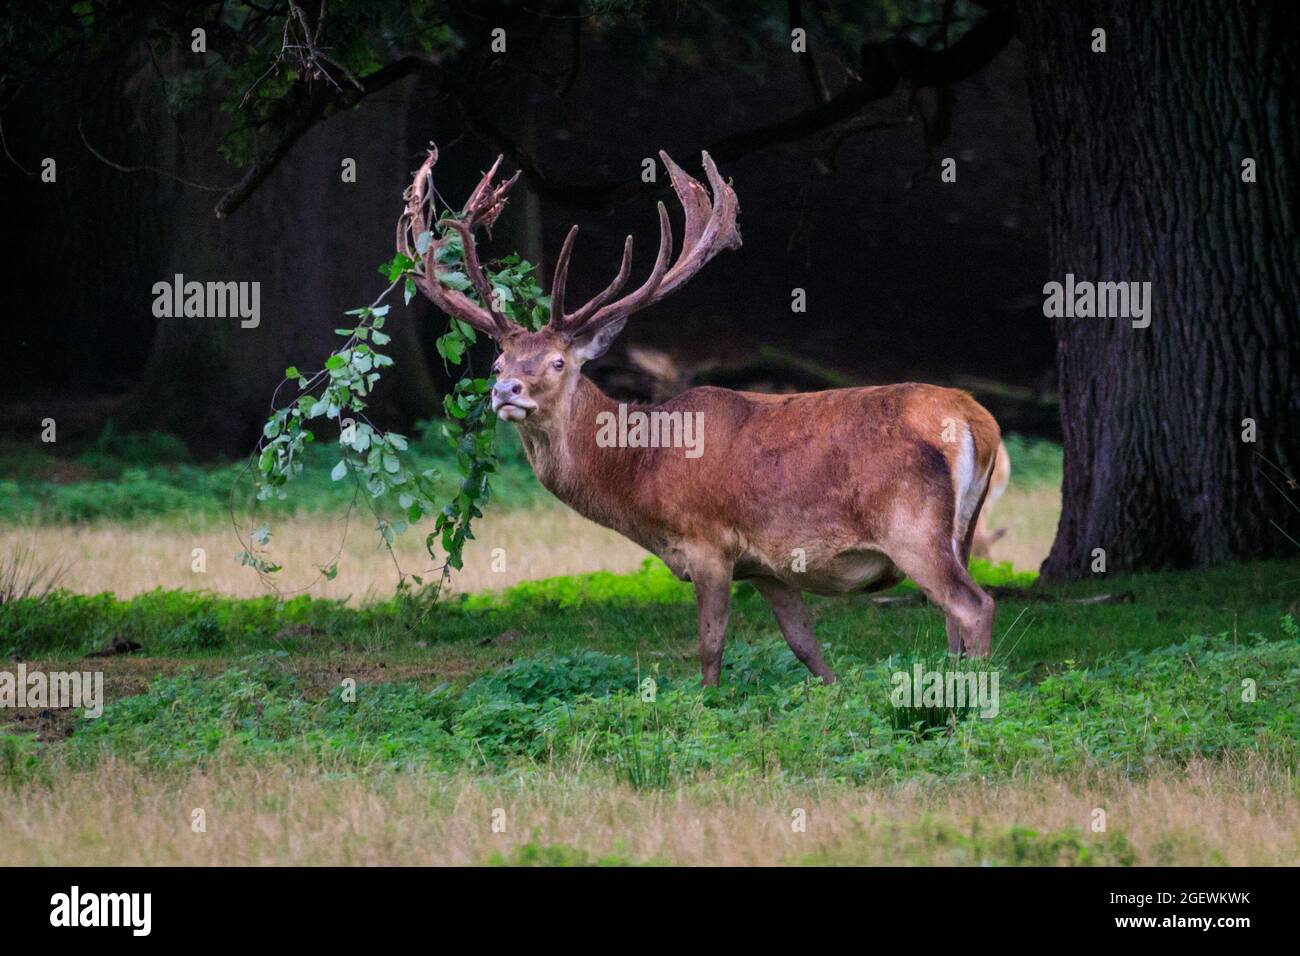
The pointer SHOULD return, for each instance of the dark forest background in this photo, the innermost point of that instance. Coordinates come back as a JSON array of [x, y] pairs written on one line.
[[1118, 165], [905, 276]]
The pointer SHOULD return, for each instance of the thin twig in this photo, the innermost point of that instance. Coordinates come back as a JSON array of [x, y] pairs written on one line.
[[144, 169]]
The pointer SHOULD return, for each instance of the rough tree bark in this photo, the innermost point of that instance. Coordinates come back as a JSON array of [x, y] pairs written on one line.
[[1142, 149]]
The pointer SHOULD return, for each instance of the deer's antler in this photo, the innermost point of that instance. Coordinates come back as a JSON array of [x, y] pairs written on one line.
[[710, 228], [481, 211]]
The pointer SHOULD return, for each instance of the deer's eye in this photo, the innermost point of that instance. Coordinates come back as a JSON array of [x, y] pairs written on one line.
[[496, 368], [558, 364]]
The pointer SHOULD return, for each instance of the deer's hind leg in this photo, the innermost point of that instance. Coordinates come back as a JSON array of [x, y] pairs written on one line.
[[792, 615], [967, 609]]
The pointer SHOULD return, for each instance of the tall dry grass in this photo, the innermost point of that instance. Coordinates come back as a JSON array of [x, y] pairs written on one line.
[[1030, 515], [1235, 814], [129, 558]]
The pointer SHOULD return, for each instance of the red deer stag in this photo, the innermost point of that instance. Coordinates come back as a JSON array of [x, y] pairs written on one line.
[[832, 492]]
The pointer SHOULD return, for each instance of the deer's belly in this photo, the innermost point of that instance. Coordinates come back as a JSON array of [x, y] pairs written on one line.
[[844, 572]]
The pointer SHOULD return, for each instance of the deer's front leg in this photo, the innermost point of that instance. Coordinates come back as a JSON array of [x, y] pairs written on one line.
[[712, 600], [791, 612]]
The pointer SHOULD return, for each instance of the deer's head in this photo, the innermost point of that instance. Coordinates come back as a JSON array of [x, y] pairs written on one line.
[[537, 370], [534, 373]]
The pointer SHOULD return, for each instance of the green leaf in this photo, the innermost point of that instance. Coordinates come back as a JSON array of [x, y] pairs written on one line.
[[455, 280], [468, 425], [399, 264], [451, 347]]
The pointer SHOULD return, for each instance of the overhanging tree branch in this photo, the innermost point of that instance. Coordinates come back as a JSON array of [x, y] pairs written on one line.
[[319, 104], [884, 66]]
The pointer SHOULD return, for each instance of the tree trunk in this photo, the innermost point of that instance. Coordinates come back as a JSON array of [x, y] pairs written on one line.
[[313, 242], [1142, 149], [78, 243]]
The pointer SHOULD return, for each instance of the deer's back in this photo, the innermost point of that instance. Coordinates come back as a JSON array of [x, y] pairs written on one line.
[[832, 468]]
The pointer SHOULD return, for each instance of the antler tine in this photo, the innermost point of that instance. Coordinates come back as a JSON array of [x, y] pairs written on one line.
[[484, 184], [561, 277], [579, 318], [710, 227], [474, 269], [642, 296], [412, 222], [717, 231], [694, 200], [484, 205]]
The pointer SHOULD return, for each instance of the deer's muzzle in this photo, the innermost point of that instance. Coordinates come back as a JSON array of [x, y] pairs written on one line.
[[509, 402]]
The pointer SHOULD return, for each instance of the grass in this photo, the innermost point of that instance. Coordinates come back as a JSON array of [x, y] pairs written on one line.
[[122, 517], [1236, 813], [549, 677], [560, 696], [556, 712], [1034, 462], [24, 576], [129, 478], [647, 612], [132, 558], [565, 751]]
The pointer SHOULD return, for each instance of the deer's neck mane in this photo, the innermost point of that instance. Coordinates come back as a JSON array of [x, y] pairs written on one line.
[[599, 483]]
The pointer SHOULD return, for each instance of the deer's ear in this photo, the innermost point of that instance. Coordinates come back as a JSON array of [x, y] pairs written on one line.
[[588, 345]]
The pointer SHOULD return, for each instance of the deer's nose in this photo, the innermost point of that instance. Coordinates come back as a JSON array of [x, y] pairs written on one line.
[[507, 387]]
